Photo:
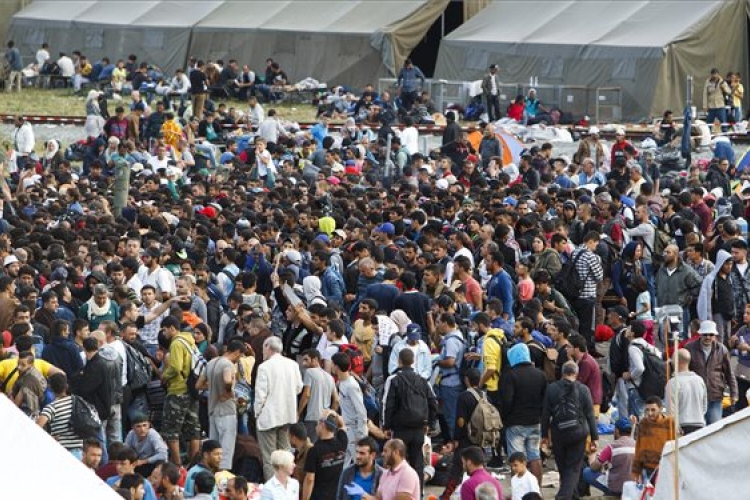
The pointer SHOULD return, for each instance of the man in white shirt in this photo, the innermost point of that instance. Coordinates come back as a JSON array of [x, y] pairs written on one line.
[[255, 114], [151, 273], [67, 68], [42, 56], [277, 384], [270, 129]]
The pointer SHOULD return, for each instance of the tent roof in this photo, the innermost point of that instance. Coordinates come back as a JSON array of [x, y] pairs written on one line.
[[51, 10], [315, 16], [626, 23], [65, 478], [176, 13], [116, 13]]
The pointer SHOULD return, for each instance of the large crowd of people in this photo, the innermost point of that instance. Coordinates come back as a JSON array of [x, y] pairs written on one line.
[[284, 314]]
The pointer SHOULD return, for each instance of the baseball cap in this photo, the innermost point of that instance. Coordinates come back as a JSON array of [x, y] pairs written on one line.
[[337, 168], [10, 259], [624, 424], [293, 256], [386, 228], [330, 422], [509, 200], [413, 331], [333, 180], [340, 233]]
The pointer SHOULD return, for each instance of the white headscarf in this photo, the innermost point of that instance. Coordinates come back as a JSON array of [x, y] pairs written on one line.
[[704, 298], [311, 288]]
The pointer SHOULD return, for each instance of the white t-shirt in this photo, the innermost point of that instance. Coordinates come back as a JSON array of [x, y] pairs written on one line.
[[519, 486]]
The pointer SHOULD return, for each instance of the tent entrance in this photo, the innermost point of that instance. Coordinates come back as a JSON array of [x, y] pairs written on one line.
[[425, 53]]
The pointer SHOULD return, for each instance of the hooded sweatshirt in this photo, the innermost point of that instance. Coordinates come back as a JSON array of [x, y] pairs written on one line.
[[716, 295], [522, 389]]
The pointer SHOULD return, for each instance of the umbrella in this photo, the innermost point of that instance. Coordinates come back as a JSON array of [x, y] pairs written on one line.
[[512, 148]]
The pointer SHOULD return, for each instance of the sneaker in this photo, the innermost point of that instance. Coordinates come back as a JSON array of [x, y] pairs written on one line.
[[496, 463]]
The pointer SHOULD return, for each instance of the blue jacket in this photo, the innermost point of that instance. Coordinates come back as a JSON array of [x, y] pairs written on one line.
[[501, 287], [332, 285], [64, 354]]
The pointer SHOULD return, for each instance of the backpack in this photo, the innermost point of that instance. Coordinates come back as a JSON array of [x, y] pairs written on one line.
[[84, 419], [197, 368], [139, 369], [567, 281], [230, 330], [485, 423], [654, 378], [356, 358], [416, 392], [608, 391], [567, 414], [548, 366], [370, 399], [618, 354]]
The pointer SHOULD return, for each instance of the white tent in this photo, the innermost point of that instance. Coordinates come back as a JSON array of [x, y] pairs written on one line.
[[157, 31], [711, 462], [646, 47], [349, 42], [35, 466]]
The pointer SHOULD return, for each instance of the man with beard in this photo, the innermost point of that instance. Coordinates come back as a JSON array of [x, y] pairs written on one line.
[[365, 472]]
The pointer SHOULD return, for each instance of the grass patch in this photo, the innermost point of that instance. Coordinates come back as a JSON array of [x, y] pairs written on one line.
[[62, 102]]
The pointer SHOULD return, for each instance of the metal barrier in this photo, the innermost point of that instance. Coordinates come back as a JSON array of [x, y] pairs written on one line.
[[608, 104], [605, 103]]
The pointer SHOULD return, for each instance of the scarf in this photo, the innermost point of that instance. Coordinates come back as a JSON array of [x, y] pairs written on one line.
[[95, 310]]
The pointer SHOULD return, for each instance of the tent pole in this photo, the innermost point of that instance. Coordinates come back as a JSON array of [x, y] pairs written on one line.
[[442, 25], [676, 407]]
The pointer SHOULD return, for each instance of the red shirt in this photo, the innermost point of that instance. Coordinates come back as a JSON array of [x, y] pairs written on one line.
[[590, 376], [515, 111]]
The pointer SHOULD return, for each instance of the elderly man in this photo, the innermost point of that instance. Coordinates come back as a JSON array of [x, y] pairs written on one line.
[[277, 385]]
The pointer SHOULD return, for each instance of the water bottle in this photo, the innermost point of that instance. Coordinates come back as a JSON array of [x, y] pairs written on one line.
[[742, 223]]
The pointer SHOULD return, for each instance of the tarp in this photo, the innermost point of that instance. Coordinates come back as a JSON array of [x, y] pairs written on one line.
[[512, 148], [646, 47], [711, 462], [34, 465]]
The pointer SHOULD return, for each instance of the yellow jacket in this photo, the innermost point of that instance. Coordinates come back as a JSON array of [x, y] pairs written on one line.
[[492, 356], [180, 363]]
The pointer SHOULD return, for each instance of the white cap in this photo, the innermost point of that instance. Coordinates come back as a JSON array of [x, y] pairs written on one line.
[[10, 259], [593, 130]]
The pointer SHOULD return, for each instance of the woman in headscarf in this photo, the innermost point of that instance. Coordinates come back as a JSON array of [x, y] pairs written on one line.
[[94, 119], [625, 270], [386, 333], [311, 288], [52, 156], [716, 298]]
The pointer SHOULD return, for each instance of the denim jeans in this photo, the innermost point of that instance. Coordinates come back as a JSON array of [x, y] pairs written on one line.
[[449, 397], [717, 113], [591, 477], [714, 412], [524, 439], [635, 402]]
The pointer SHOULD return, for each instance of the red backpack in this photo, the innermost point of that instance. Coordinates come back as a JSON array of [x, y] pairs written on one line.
[[356, 358]]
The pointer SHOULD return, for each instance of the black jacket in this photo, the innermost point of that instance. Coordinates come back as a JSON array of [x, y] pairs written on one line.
[[64, 354], [554, 395], [522, 391], [93, 384], [409, 401]]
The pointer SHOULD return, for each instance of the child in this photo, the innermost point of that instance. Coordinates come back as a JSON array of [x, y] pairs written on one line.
[[525, 283], [522, 481], [643, 307]]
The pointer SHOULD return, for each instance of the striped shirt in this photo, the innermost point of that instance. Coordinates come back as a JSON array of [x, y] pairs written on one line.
[[58, 415], [590, 271]]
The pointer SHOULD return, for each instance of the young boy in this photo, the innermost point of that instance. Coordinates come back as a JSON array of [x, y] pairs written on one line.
[[127, 458], [522, 481], [654, 430]]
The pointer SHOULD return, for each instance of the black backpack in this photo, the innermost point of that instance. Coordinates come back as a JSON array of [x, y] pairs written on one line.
[[567, 415], [84, 419], [139, 368], [416, 411], [618, 354], [654, 378], [567, 281]]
